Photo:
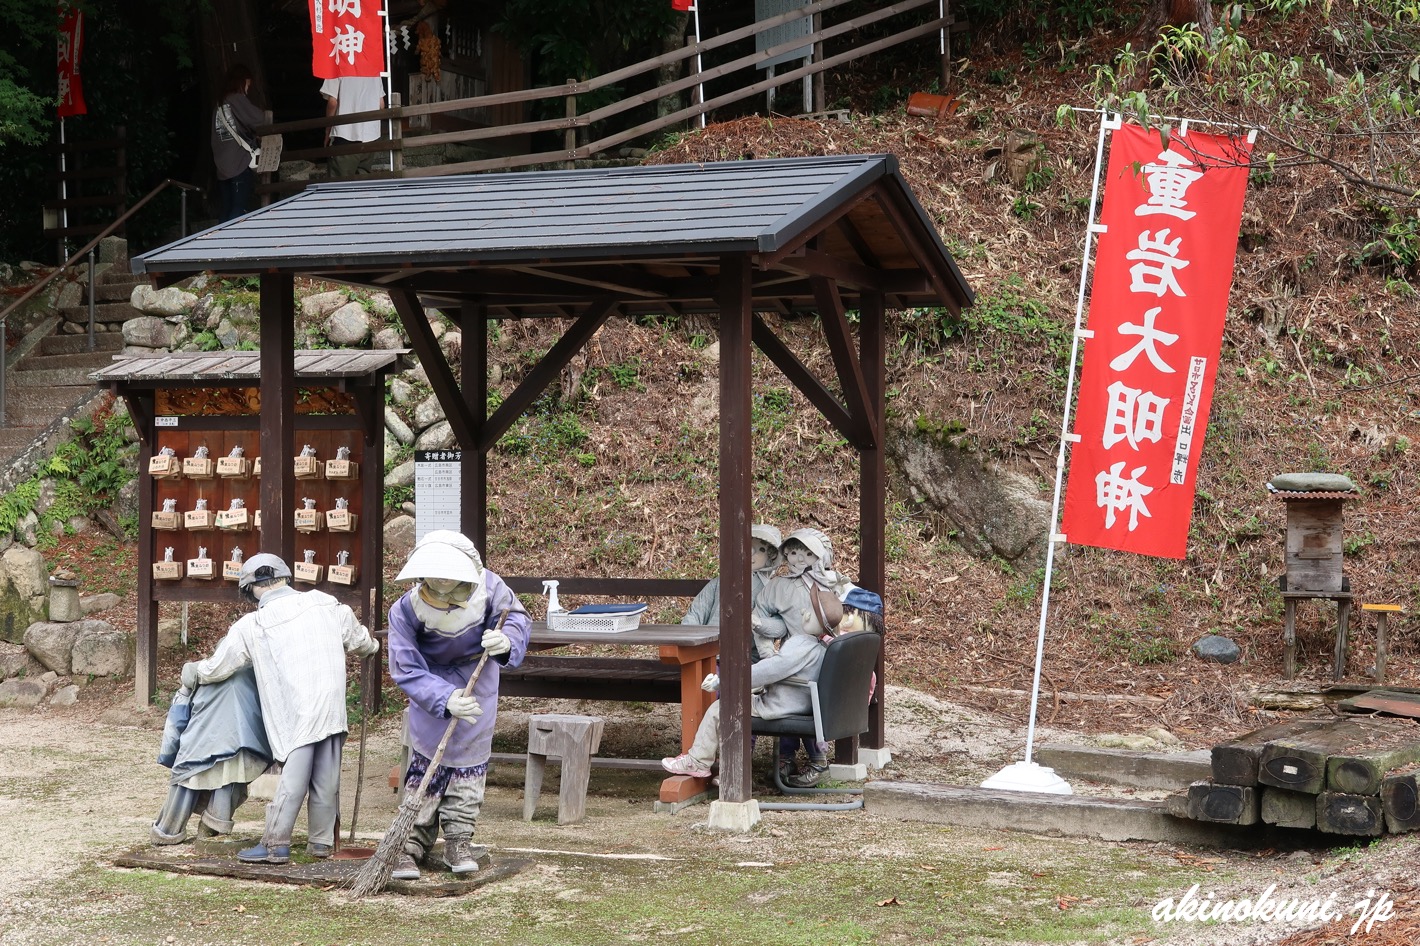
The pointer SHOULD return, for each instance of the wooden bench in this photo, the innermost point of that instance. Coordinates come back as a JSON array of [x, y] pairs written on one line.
[[592, 678]]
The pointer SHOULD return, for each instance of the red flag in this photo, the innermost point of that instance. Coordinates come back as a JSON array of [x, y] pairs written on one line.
[[682, 5], [347, 38], [1161, 280], [71, 47]]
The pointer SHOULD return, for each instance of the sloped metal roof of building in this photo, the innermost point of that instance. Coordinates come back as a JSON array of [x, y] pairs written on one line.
[[527, 243], [244, 366]]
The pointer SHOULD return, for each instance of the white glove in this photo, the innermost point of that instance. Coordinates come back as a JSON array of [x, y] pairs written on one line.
[[464, 707], [711, 683], [495, 642], [189, 675], [368, 650]]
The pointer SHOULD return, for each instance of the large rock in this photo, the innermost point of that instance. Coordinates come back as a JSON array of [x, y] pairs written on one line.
[[1216, 648], [452, 344], [402, 475], [92, 604], [397, 427], [161, 302], [24, 585], [388, 339], [428, 412], [438, 437], [15, 661], [52, 643], [348, 325], [322, 304], [22, 692], [150, 331], [401, 391], [102, 651], [995, 511], [399, 537]]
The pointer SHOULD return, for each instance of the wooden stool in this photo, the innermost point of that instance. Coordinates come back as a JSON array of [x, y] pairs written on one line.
[[1289, 629], [573, 740], [1383, 613]]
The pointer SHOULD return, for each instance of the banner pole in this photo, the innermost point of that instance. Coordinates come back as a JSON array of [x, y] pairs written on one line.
[[1027, 775], [389, 84], [700, 86]]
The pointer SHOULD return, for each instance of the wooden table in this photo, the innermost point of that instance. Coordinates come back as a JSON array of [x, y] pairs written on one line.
[[687, 653]]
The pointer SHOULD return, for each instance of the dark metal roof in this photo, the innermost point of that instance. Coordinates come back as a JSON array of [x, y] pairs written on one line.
[[643, 233], [244, 366]]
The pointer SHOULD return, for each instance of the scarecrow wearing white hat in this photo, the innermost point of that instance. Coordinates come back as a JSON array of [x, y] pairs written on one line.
[[803, 596], [764, 558], [295, 642], [438, 631]]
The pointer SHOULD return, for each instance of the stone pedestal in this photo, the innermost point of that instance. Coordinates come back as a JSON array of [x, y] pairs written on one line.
[[64, 599]]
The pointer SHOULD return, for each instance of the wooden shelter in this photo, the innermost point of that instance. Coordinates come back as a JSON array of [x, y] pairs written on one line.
[[825, 235]]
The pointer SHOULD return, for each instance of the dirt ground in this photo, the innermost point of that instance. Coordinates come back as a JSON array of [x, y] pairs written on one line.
[[78, 786]]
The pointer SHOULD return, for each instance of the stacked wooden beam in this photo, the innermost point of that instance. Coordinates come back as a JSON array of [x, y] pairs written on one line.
[[1355, 776]]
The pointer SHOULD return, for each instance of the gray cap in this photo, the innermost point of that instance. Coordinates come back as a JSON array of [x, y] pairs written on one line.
[[261, 560], [767, 534]]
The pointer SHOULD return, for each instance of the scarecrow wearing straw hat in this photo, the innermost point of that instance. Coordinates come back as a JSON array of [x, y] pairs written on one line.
[[438, 632]]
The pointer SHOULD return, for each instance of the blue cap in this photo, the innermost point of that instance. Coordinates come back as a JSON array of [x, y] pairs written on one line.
[[864, 600]]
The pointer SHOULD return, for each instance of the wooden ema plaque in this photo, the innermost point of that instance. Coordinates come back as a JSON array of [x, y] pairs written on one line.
[[256, 467], [167, 521], [234, 520], [233, 468], [308, 572], [231, 571], [199, 520], [341, 470], [198, 468], [167, 571], [308, 468], [163, 466], [309, 520], [342, 574], [200, 568], [340, 520]]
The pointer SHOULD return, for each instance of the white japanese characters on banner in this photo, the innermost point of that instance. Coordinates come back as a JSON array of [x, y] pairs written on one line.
[[1161, 280], [347, 38]]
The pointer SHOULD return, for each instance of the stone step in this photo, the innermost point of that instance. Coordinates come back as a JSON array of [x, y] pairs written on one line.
[[34, 408], [106, 312], [79, 344], [85, 361], [115, 290], [49, 378]]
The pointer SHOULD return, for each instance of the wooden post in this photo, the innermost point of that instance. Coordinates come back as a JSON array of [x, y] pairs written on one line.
[[396, 133], [473, 483], [569, 137], [872, 488], [278, 408], [736, 306], [1382, 613], [145, 666]]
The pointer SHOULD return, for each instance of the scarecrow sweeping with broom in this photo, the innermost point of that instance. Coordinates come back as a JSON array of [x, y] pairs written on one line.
[[448, 637]]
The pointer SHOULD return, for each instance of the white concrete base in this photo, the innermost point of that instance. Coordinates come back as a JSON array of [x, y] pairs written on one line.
[[738, 816], [1029, 777], [848, 773], [875, 758]]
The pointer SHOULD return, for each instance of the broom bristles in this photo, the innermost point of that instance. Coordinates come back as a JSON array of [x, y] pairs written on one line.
[[376, 872]]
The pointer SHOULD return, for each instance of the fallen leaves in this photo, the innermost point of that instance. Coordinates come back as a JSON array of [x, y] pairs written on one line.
[[890, 902]]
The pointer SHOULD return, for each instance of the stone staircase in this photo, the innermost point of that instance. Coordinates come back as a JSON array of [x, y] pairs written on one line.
[[47, 372]]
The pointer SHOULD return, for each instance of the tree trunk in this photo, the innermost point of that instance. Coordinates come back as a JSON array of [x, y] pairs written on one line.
[[673, 39], [1162, 13]]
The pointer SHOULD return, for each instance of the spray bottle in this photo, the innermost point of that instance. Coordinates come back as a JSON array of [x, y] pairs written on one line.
[[549, 588]]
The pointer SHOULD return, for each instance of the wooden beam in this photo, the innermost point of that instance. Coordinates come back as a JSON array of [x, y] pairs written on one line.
[[860, 246], [278, 413], [907, 224], [845, 361], [606, 285], [436, 367], [736, 378], [802, 378], [543, 373], [845, 272]]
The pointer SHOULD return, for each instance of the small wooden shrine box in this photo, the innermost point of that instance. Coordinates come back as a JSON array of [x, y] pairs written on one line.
[[1314, 529]]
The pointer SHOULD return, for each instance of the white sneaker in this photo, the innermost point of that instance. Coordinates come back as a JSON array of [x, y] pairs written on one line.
[[685, 764]]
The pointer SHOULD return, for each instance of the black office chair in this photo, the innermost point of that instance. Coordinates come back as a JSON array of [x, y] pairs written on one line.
[[840, 710]]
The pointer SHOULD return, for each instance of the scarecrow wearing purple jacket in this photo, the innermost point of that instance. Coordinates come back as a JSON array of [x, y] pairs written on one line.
[[437, 632]]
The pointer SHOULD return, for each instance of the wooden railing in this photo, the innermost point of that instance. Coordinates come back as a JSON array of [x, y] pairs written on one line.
[[598, 127]]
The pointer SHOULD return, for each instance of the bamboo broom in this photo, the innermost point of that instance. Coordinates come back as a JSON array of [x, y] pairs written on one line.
[[376, 873]]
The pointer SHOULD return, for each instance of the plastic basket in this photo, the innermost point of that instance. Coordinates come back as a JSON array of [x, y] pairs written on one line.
[[596, 619]]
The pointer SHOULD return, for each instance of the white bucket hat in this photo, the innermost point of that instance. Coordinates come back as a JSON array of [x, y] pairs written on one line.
[[816, 542], [443, 553], [767, 534]]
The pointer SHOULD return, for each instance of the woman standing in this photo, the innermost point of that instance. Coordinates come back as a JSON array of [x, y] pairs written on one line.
[[232, 142]]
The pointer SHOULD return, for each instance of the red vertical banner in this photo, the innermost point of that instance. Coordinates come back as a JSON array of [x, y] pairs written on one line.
[[347, 38], [1162, 274], [71, 48]]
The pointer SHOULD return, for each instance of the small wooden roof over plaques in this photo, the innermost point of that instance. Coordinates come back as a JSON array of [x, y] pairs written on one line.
[[183, 368]]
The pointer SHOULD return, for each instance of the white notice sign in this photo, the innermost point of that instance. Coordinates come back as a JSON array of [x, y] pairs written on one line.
[[436, 491]]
